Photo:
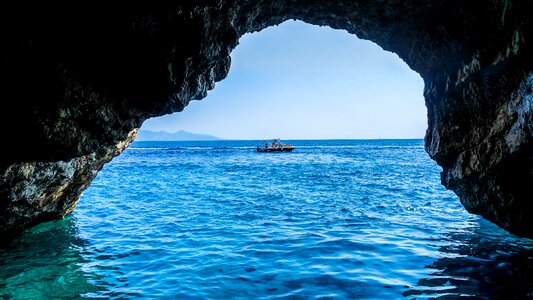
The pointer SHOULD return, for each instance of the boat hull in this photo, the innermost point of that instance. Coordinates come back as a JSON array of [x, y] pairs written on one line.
[[283, 149]]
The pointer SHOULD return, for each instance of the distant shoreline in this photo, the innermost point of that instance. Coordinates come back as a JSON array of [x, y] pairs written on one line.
[[245, 140], [182, 135]]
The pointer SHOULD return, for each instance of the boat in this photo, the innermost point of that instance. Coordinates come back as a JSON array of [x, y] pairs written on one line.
[[275, 145]]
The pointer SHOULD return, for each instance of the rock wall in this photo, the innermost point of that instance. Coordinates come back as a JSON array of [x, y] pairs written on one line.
[[76, 79], [34, 192]]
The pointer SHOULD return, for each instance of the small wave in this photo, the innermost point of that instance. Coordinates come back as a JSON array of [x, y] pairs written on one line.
[[197, 148], [150, 148], [359, 147], [229, 224], [189, 148]]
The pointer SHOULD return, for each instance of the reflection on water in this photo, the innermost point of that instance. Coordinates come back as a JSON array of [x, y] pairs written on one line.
[[482, 261], [46, 263], [333, 219], [51, 261]]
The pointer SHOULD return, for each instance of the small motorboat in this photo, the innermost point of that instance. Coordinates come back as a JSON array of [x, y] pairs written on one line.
[[275, 145]]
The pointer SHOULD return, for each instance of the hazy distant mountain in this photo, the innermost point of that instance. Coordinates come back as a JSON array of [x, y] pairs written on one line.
[[147, 135]]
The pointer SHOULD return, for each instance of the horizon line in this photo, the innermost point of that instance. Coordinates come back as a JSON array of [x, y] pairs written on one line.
[[298, 139]]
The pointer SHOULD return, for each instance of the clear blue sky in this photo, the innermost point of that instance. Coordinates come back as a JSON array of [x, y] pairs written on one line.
[[299, 81]]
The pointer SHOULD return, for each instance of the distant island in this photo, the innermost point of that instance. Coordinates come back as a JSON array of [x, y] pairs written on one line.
[[147, 135]]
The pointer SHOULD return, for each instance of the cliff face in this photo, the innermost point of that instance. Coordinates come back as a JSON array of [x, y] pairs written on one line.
[[76, 80]]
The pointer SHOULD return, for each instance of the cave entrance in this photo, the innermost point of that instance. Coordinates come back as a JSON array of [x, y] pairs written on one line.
[[354, 112], [330, 212], [301, 81]]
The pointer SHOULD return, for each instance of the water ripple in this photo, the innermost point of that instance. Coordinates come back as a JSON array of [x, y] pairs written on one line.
[[216, 220]]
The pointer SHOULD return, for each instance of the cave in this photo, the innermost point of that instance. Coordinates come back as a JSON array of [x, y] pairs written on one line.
[[78, 80]]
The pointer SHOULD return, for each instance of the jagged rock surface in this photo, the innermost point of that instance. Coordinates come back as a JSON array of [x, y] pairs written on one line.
[[78, 78], [34, 192]]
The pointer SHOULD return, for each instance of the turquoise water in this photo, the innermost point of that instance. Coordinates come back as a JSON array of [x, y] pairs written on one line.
[[217, 220]]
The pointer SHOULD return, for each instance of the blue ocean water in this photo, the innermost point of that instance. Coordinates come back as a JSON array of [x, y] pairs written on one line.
[[343, 219]]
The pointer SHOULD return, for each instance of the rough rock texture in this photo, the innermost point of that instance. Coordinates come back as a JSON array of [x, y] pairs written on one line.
[[40, 191], [76, 79]]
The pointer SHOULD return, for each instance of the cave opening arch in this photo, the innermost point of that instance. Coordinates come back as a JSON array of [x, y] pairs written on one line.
[[300, 81], [96, 74]]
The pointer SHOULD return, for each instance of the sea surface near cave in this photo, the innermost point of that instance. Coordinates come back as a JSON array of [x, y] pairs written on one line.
[[334, 219]]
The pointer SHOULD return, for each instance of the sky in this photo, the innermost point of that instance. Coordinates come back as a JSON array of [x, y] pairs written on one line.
[[300, 81]]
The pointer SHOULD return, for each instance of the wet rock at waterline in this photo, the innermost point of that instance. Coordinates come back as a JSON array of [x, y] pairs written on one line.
[[33, 192], [78, 78]]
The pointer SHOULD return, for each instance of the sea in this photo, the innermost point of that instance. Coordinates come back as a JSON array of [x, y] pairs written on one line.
[[334, 219]]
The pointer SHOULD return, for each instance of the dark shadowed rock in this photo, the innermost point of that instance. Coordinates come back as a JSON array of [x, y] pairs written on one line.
[[33, 192], [76, 79]]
